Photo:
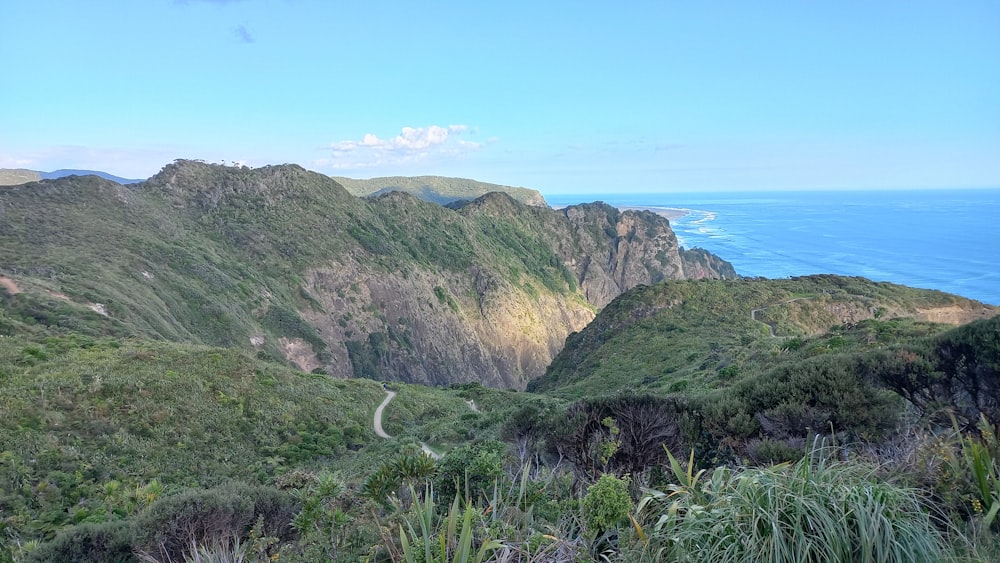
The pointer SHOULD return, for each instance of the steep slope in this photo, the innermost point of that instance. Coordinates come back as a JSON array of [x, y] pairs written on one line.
[[286, 263], [437, 189], [683, 335], [606, 250]]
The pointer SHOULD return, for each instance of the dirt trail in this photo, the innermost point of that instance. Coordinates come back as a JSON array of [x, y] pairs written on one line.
[[377, 424], [378, 415]]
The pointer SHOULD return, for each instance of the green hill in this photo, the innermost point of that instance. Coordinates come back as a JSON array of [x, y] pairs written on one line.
[[14, 176], [86, 424], [695, 335], [437, 189], [286, 264]]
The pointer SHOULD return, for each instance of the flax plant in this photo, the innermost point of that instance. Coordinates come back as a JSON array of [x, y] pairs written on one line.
[[815, 510]]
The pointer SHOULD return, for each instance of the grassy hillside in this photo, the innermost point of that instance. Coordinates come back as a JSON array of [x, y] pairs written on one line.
[[437, 189], [108, 446], [286, 264], [14, 176], [687, 335], [85, 422]]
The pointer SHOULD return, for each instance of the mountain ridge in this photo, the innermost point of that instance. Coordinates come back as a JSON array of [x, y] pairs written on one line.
[[285, 263]]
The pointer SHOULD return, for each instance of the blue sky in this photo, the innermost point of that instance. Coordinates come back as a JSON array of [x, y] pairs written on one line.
[[565, 97]]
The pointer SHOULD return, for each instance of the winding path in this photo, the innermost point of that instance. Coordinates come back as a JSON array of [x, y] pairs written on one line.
[[753, 316], [377, 424]]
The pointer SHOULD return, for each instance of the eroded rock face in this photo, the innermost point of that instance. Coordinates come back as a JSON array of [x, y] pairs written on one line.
[[953, 314], [438, 330], [615, 251]]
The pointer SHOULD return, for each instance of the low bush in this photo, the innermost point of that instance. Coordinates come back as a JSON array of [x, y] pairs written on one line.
[[171, 525], [107, 542], [813, 510]]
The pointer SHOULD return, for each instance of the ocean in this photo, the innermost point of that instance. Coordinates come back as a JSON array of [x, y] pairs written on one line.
[[938, 239]]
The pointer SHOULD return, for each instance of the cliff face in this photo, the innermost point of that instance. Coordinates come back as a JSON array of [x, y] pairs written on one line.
[[286, 263], [611, 251], [434, 330]]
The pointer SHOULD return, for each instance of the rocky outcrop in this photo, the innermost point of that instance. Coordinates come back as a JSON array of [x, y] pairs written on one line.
[[483, 324], [700, 264], [614, 251]]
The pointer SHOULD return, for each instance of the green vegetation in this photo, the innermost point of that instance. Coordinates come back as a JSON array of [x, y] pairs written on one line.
[[814, 510], [147, 413], [94, 431], [116, 448], [689, 335], [242, 258]]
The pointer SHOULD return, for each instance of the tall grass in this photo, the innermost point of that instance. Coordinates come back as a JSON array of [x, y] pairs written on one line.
[[816, 510]]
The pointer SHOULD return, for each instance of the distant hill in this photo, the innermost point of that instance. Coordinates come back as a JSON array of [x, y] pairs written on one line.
[[62, 173], [437, 189], [14, 176]]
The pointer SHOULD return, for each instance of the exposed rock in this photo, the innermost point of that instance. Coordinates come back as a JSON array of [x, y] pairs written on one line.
[[954, 315], [299, 352]]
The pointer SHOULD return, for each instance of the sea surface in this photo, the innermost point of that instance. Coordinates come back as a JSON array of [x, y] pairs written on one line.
[[937, 239]]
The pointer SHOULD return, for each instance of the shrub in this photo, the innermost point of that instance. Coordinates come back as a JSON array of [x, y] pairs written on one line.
[[607, 504], [107, 542], [813, 510], [471, 468], [171, 525]]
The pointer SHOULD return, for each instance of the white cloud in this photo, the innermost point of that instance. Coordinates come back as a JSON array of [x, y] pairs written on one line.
[[412, 145], [14, 161]]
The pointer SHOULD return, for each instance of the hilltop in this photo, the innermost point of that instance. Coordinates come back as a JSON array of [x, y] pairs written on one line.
[[437, 189]]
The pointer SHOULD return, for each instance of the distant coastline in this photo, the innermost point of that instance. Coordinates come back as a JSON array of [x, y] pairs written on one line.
[[668, 212]]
